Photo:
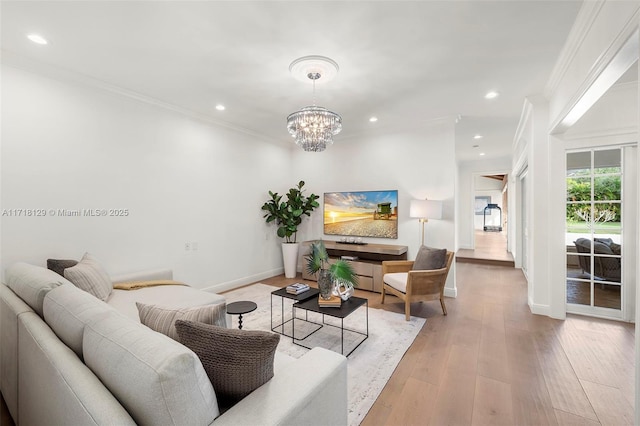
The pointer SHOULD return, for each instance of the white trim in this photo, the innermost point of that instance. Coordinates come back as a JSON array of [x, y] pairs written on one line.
[[540, 309], [587, 15], [610, 66], [231, 285], [451, 292], [595, 311]]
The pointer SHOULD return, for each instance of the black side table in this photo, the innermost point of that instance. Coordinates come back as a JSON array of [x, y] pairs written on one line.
[[241, 308]]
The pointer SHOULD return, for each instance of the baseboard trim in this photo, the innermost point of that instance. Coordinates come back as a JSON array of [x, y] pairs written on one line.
[[231, 285], [451, 292], [539, 309]]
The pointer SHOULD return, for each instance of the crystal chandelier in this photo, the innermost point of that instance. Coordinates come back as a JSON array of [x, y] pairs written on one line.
[[313, 127]]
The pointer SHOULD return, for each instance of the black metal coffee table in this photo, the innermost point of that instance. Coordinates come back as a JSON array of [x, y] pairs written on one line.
[[347, 308], [282, 293]]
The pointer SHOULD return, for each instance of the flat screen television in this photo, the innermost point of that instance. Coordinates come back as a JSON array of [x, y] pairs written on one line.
[[361, 214]]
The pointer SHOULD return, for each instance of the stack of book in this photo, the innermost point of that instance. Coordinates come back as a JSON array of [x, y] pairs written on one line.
[[334, 302], [297, 288]]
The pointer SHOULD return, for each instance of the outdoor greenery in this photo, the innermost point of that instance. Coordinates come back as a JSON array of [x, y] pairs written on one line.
[[607, 187]]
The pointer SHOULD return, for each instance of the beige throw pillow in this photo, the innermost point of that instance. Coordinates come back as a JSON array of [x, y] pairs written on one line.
[[163, 319], [90, 276], [236, 361]]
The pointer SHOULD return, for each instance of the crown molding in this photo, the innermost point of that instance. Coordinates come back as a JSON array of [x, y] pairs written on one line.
[[60, 74], [626, 133], [587, 15]]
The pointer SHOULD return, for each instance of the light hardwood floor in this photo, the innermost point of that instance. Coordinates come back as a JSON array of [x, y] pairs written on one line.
[[490, 361]]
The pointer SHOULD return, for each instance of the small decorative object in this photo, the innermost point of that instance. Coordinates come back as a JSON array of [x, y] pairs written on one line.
[[343, 289], [328, 275]]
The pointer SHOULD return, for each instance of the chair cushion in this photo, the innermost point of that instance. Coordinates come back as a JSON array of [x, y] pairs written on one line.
[[397, 280], [59, 265], [162, 319], [90, 276], [157, 380], [236, 361], [31, 283], [429, 258]]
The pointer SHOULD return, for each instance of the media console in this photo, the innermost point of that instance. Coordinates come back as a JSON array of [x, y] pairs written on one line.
[[368, 265]]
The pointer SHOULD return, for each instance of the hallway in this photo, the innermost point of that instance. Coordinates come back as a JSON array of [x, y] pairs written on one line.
[[490, 249]]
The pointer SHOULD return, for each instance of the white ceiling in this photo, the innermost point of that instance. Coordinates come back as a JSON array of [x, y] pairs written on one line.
[[406, 62]]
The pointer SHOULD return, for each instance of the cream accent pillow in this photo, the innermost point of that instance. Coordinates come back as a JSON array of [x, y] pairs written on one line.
[[90, 276], [163, 319]]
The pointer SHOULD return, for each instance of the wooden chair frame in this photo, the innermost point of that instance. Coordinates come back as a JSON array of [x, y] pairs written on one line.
[[421, 285]]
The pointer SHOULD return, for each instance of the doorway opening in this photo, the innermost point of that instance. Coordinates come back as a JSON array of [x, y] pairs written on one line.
[[490, 222]]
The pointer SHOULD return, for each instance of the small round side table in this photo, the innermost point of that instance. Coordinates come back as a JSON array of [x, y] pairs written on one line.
[[241, 308]]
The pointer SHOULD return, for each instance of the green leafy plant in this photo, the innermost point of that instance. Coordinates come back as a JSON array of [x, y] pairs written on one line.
[[288, 214], [340, 271]]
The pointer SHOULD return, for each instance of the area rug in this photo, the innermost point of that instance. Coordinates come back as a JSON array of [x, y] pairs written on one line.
[[369, 367]]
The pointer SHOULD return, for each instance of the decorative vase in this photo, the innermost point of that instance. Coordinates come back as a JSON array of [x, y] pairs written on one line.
[[325, 283], [344, 290], [290, 259]]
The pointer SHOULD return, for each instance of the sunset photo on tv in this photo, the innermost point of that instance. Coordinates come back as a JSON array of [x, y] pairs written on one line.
[[361, 214]]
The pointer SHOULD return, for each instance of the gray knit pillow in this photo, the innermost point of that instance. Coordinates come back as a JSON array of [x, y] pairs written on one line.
[[162, 319], [430, 258], [236, 361], [90, 276]]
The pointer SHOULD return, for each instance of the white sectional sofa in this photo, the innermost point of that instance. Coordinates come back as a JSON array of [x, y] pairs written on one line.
[[68, 358]]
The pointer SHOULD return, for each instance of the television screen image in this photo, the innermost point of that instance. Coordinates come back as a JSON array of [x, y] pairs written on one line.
[[361, 214]]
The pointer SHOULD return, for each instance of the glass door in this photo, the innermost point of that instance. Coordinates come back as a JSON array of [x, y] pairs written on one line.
[[594, 230]]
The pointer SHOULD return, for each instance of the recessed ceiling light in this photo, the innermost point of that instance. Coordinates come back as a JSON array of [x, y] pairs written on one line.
[[373, 119], [477, 137], [491, 95], [482, 153], [38, 39], [220, 107]]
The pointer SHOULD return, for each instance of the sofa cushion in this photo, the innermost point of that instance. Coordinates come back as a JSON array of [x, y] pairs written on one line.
[[67, 310], [237, 361], [59, 265], [430, 258], [31, 283], [90, 276], [157, 380], [162, 319], [177, 296]]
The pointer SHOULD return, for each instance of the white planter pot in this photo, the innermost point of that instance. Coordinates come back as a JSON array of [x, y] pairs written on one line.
[[290, 258]]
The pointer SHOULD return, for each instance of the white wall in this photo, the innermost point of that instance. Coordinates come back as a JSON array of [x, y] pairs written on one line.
[[67, 146], [419, 164]]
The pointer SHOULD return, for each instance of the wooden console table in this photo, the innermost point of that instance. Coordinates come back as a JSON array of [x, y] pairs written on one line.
[[368, 266]]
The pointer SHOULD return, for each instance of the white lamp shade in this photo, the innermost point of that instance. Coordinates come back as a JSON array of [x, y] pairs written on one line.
[[426, 209]]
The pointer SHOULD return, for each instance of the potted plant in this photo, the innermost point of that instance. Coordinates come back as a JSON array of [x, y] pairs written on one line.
[[338, 275], [287, 215]]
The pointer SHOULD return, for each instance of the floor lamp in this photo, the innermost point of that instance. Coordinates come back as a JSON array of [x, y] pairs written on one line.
[[425, 210]]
